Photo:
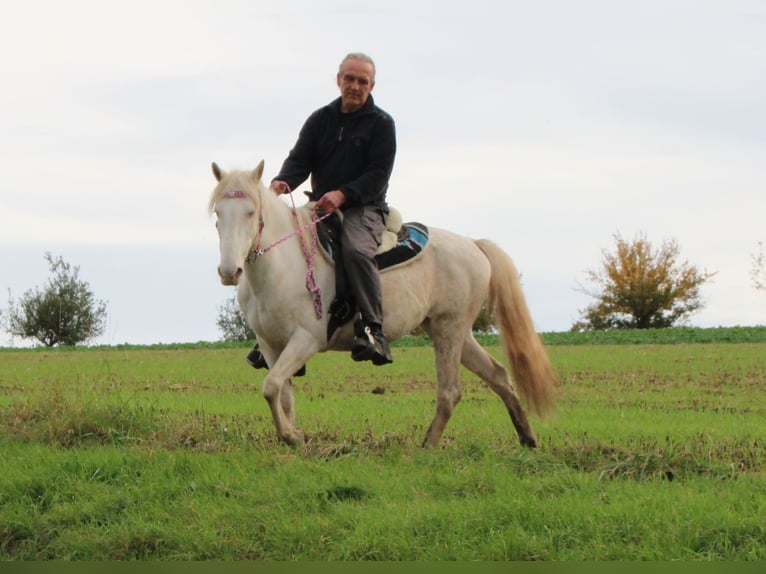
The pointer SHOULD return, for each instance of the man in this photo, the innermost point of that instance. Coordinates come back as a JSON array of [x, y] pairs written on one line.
[[348, 149]]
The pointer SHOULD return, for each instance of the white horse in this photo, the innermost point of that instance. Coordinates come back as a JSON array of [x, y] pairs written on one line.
[[441, 291]]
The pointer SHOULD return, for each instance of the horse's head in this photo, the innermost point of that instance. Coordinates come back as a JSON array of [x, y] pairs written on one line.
[[236, 202]]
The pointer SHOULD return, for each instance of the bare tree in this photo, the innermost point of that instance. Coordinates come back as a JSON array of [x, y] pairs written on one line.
[[758, 272], [232, 322]]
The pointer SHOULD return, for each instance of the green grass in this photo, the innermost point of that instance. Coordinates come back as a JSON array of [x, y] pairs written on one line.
[[656, 452], [615, 337]]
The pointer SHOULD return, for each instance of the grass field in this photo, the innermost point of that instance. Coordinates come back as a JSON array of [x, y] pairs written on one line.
[[656, 452]]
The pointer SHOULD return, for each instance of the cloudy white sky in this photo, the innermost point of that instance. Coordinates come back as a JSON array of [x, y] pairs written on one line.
[[546, 126]]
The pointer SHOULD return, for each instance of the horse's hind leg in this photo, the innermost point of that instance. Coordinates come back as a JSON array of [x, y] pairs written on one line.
[[476, 359], [447, 350]]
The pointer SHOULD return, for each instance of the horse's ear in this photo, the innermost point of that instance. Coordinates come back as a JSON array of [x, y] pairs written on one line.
[[258, 172], [218, 172]]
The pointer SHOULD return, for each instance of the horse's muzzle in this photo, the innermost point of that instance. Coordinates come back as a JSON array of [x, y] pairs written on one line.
[[230, 278]]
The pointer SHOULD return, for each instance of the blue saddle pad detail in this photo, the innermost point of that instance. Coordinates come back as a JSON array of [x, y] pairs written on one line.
[[411, 240]]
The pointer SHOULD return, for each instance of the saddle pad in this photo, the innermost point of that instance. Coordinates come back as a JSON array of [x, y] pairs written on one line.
[[412, 238]]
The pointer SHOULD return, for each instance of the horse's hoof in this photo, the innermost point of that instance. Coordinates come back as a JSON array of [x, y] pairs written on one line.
[[296, 438], [529, 442]]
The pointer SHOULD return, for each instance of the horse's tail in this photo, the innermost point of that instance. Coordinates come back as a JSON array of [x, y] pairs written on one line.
[[531, 366]]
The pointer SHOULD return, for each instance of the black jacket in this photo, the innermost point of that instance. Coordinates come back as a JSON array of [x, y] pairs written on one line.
[[351, 152]]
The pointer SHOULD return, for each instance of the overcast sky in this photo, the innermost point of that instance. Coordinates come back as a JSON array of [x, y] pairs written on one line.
[[546, 126]]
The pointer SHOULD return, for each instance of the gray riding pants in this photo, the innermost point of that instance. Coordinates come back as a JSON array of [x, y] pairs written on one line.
[[361, 235]]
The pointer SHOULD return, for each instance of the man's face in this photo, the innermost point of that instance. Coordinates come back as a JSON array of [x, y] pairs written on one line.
[[355, 81]]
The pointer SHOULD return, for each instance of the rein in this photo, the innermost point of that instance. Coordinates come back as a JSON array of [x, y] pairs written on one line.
[[308, 253]]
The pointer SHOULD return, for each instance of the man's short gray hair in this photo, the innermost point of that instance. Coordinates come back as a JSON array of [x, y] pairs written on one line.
[[357, 56]]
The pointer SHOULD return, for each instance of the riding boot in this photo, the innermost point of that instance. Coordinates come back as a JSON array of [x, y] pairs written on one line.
[[370, 344], [256, 360]]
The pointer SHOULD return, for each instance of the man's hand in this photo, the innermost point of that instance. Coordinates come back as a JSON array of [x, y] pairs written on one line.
[[330, 201], [279, 187]]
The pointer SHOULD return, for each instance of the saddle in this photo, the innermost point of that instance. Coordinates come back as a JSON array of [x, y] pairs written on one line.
[[401, 243]]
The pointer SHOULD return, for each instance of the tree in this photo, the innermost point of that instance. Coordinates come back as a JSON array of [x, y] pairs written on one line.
[[232, 323], [641, 288], [65, 312], [758, 272], [484, 322]]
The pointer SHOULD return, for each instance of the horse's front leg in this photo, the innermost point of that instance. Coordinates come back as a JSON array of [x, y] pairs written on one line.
[[278, 386], [281, 403]]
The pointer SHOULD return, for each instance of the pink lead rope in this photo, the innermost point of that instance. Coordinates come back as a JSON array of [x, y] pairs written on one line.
[[309, 254]]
